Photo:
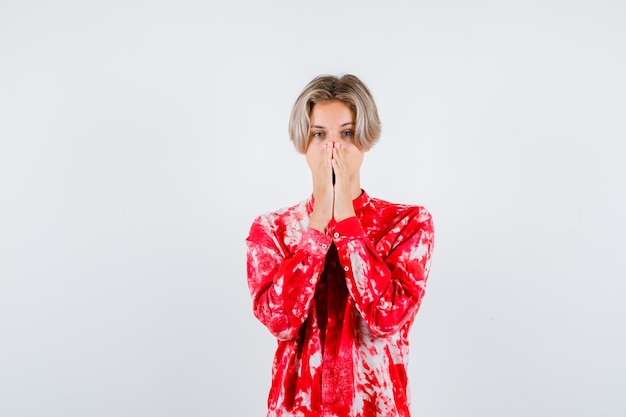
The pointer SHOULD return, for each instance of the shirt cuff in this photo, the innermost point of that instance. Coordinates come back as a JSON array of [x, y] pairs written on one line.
[[315, 242], [346, 230]]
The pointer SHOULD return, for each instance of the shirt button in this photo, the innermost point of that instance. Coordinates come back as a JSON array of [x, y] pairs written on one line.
[[336, 235], [345, 268], [324, 246], [312, 281]]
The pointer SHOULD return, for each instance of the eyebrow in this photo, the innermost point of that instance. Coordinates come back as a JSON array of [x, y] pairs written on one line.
[[322, 127]]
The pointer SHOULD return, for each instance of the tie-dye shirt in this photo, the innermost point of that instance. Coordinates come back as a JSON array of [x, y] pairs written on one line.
[[340, 305]]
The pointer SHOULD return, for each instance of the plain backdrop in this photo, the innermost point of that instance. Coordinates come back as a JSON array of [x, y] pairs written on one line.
[[139, 139]]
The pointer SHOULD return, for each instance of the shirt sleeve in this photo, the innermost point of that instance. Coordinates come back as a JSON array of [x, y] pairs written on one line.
[[387, 285], [282, 285]]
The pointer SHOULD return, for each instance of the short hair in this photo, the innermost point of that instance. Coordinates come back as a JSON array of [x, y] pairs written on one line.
[[348, 89]]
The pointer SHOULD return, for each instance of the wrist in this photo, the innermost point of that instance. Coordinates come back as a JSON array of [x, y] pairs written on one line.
[[319, 226], [344, 215], [319, 222]]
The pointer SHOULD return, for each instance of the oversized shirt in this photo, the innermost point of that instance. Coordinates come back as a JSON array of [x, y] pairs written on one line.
[[340, 305]]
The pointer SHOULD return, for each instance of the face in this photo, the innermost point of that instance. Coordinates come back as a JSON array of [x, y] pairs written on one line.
[[334, 121]]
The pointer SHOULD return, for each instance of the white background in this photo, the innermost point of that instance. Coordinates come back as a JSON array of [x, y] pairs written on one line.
[[139, 139]]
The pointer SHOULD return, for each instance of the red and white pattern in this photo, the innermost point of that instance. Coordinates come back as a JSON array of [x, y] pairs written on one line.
[[340, 305]]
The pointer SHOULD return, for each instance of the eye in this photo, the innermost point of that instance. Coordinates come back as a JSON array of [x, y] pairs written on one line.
[[347, 133], [318, 134]]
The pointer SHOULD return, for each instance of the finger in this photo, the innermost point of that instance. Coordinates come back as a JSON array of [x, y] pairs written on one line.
[[340, 157], [336, 153], [324, 167]]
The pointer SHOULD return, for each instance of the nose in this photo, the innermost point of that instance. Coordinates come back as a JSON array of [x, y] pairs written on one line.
[[334, 137]]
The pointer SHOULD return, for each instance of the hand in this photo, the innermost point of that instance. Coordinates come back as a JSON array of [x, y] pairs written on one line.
[[342, 201], [322, 190]]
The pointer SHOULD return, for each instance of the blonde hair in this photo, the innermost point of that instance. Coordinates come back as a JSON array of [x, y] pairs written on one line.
[[347, 89]]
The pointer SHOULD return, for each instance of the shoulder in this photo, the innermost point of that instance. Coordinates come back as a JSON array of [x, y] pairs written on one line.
[[279, 220], [398, 224], [399, 212]]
